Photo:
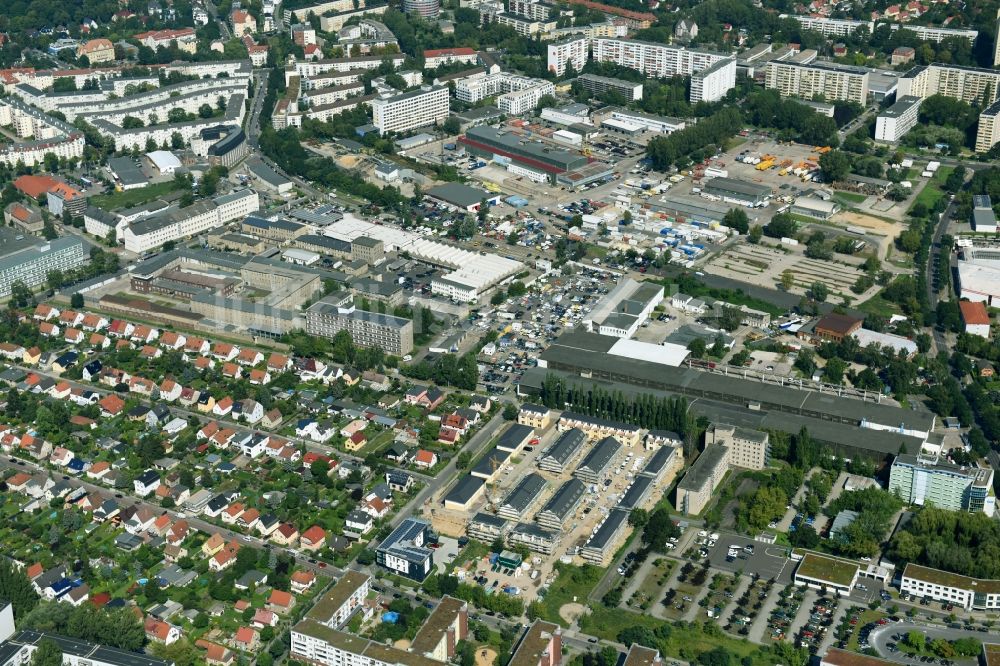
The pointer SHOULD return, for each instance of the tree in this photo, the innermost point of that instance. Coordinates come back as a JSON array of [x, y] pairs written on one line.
[[47, 654], [782, 225], [834, 165], [451, 125], [510, 411], [787, 279], [756, 231], [819, 291], [697, 347], [16, 588], [76, 301], [737, 220], [638, 518]]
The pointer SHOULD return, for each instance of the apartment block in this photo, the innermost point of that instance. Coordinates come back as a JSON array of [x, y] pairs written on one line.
[[598, 85], [541, 645], [177, 223], [522, 26], [658, 60], [32, 265], [515, 94], [532, 9], [849, 84], [572, 52], [706, 473], [713, 82], [988, 132], [893, 123], [394, 335], [831, 27], [934, 34], [923, 480], [749, 449], [410, 110], [965, 83]]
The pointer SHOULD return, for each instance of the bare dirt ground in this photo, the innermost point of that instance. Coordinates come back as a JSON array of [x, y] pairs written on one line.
[[886, 229], [572, 612], [486, 657]]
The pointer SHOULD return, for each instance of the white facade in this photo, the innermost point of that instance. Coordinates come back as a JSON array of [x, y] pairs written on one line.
[[181, 223], [573, 52], [807, 81], [50, 135], [932, 34], [897, 120], [712, 83], [515, 94], [831, 27], [408, 111], [658, 60]]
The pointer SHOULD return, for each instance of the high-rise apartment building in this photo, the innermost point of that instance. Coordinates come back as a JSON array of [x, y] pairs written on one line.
[[658, 60], [712, 83], [897, 120], [849, 84], [924, 480], [410, 110], [572, 52]]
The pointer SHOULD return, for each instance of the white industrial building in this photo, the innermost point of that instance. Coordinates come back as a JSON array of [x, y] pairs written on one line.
[[979, 282], [648, 121], [713, 82], [893, 123], [470, 273], [410, 110], [984, 220]]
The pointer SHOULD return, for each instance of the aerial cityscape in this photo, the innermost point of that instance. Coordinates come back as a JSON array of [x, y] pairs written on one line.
[[499, 333]]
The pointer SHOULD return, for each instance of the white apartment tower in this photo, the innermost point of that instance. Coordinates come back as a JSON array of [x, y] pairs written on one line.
[[659, 60], [573, 52], [806, 81], [897, 120], [712, 83], [410, 110]]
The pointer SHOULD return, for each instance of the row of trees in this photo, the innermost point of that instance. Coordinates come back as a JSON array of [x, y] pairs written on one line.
[[695, 142], [643, 410], [963, 543]]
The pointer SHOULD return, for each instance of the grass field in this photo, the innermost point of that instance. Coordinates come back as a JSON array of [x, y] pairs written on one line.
[[849, 197], [117, 200], [933, 190], [878, 305], [571, 582]]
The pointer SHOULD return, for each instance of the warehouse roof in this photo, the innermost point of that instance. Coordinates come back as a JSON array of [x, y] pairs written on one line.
[[738, 187], [459, 195]]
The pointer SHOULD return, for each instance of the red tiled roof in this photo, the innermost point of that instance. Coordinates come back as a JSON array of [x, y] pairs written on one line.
[[973, 313]]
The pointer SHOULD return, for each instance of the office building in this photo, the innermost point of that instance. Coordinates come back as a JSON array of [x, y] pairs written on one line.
[[841, 83], [988, 131], [921, 479], [599, 85], [31, 265], [406, 552], [410, 110], [749, 449], [831, 27], [426, 9], [713, 82], [706, 473], [968, 84], [652, 59], [394, 335], [898, 119], [570, 52], [963, 591]]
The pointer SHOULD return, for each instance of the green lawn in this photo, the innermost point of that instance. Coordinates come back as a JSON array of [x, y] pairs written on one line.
[[117, 200], [572, 581], [933, 189], [849, 197], [878, 305]]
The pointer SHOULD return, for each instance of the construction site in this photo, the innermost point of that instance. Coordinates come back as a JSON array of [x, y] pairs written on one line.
[[561, 492]]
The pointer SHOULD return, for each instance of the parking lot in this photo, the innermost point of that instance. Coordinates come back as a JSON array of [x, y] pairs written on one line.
[[770, 562]]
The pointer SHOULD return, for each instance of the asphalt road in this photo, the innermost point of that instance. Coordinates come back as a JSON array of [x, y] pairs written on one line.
[[880, 637]]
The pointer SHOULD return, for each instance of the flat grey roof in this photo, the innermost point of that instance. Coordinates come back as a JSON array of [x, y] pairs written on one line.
[[737, 187], [903, 105], [85, 650], [458, 194], [266, 173], [514, 435], [701, 470], [127, 171]]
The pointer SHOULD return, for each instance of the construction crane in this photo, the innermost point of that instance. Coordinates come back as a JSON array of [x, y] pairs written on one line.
[[491, 503]]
